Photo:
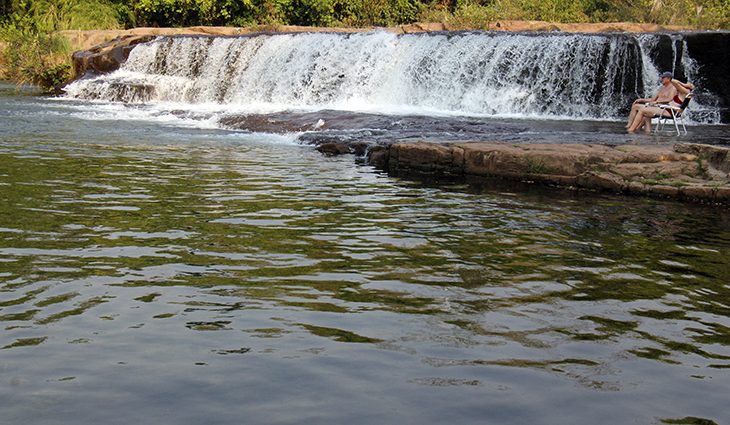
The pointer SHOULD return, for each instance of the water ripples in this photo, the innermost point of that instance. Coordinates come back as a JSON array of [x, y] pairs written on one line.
[[163, 258]]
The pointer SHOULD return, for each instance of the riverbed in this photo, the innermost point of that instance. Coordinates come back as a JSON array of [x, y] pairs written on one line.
[[156, 271]]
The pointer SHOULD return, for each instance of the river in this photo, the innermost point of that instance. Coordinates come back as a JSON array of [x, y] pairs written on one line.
[[153, 271]]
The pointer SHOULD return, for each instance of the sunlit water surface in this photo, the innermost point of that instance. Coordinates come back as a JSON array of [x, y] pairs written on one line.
[[155, 274]]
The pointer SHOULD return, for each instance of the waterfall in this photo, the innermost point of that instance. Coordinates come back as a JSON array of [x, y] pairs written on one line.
[[562, 75]]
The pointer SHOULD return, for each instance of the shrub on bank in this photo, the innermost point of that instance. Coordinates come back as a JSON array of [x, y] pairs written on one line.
[[33, 52], [706, 14], [32, 55], [180, 13], [701, 14]]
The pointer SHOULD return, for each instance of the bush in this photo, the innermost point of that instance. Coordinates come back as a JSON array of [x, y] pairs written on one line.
[[356, 13], [181, 13], [711, 14], [392, 12], [34, 53], [471, 15], [310, 12], [57, 15], [707, 14], [54, 77], [30, 53], [542, 10]]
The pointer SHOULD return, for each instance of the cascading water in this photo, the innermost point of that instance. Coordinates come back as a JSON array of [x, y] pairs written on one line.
[[669, 52], [478, 74], [472, 73]]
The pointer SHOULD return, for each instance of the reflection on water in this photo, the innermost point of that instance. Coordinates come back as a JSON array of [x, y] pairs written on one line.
[[264, 283]]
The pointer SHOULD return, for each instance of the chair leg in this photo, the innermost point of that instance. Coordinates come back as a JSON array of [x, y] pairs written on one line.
[[674, 120], [677, 120]]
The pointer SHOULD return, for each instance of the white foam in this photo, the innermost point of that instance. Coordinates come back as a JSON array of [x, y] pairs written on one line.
[[561, 76]]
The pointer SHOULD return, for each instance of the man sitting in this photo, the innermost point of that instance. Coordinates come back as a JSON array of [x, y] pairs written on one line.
[[642, 110]]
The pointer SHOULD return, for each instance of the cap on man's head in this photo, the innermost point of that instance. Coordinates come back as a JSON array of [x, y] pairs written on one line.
[[666, 74]]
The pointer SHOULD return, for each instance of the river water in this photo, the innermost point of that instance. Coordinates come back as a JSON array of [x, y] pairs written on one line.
[[154, 272]]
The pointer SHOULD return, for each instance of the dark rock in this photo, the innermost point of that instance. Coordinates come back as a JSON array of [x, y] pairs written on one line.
[[722, 194], [698, 192], [379, 157], [332, 149], [277, 124], [664, 55], [106, 57], [718, 157], [710, 51], [664, 190], [426, 159], [634, 188], [601, 181], [360, 148], [310, 124], [333, 146]]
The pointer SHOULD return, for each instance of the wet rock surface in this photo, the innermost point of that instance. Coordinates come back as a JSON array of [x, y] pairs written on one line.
[[705, 48], [106, 57], [682, 171], [332, 148]]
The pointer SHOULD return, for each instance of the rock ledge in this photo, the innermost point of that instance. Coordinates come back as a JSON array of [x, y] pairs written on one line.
[[684, 171]]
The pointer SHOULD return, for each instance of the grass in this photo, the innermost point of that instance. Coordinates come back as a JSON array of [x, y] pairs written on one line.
[[33, 52]]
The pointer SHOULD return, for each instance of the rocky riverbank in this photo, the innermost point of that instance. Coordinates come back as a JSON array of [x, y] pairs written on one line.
[[684, 171]]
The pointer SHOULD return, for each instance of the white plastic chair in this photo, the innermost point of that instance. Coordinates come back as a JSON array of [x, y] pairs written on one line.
[[676, 114]]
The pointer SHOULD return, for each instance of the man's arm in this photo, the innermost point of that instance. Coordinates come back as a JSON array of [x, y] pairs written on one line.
[[646, 99], [683, 88]]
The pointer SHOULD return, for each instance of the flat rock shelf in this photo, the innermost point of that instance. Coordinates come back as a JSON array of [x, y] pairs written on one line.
[[684, 171]]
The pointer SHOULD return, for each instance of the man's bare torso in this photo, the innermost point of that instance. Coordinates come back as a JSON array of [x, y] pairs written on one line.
[[666, 93]]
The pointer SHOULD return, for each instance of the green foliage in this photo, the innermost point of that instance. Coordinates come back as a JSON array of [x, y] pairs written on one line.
[[6, 8], [337, 12], [54, 76], [708, 14], [393, 12], [125, 15], [435, 13], [164, 12], [177, 13], [56, 15], [30, 51], [99, 14], [711, 14], [34, 53], [551, 10], [472, 15], [614, 11], [271, 12], [310, 12]]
